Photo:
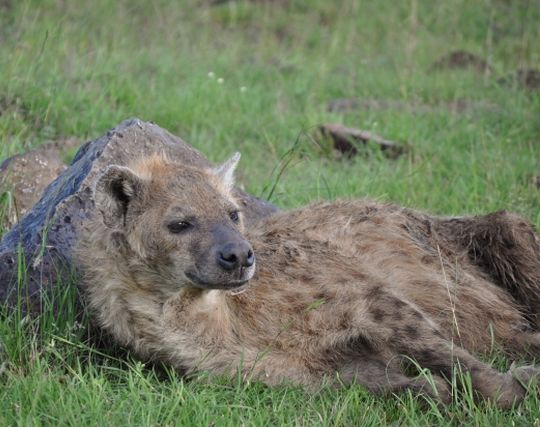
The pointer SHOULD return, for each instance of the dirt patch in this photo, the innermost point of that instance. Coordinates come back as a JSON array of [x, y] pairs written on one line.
[[6, 5], [458, 105], [461, 60], [220, 2], [526, 78]]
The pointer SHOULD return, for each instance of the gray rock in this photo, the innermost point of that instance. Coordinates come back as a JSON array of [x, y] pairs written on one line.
[[43, 240]]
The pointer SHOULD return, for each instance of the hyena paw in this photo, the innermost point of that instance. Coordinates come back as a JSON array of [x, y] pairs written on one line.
[[526, 375], [435, 387]]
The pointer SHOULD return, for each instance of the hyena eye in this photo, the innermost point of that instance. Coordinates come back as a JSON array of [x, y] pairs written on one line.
[[178, 226], [234, 215]]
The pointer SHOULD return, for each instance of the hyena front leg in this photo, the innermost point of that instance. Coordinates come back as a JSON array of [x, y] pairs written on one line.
[[416, 336], [504, 389], [384, 378]]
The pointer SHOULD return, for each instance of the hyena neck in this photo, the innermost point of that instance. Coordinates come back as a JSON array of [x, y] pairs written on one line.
[[128, 307], [203, 314], [197, 329]]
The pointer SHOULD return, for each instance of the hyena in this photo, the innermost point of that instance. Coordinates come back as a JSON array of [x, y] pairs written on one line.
[[333, 293]]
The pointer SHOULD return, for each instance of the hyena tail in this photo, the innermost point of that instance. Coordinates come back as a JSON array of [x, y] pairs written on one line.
[[506, 247]]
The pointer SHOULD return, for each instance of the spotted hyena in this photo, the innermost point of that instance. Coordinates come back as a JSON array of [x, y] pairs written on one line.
[[335, 292]]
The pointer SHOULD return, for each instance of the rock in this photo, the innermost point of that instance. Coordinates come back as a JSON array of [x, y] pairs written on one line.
[[23, 177], [45, 237], [346, 140]]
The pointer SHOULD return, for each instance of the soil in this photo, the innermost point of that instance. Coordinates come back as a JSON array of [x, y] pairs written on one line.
[[461, 59]]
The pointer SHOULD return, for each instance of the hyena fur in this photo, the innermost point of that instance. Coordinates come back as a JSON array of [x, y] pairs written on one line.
[[336, 292]]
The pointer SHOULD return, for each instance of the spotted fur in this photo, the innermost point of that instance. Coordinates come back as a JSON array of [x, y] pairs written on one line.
[[342, 292]]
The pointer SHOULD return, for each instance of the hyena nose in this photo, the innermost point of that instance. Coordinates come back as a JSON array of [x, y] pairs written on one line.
[[234, 255]]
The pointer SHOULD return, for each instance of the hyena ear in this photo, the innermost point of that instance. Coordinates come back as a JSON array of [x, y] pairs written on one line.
[[115, 189], [225, 171]]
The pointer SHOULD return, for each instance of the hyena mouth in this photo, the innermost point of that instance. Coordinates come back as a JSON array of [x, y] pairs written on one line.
[[207, 284]]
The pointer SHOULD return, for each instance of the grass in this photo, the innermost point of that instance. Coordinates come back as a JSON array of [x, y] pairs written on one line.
[[79, 68]]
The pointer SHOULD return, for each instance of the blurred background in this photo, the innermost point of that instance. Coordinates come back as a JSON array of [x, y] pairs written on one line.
[[455, 83]]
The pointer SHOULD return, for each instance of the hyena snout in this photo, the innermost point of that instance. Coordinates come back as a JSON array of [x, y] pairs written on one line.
[[235, 255]]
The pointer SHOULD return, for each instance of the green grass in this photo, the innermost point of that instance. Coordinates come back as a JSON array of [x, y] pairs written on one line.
[[79, 68]]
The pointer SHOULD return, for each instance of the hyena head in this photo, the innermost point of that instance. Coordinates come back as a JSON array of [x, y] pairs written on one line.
[[178, 225]]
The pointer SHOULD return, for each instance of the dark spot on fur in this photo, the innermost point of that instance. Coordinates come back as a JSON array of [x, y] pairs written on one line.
[[426, 355], [427, 259], [358, 344], [360, 277], [329, 356], [435, 361], [423, 284], [399, 303], [291, 252], [322, 296], [306, 278], [344, 322], [397, 316], [291, 300], [411, 332], [375, 292], [296, 304], [378, 314]]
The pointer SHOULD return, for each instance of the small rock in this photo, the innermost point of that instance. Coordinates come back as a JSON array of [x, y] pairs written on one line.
[[346, 140]]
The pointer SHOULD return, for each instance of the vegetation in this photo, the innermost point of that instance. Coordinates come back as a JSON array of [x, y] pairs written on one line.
[[256, 76]]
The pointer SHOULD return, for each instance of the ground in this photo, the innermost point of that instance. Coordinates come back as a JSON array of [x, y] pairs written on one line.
[[256, 76]]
